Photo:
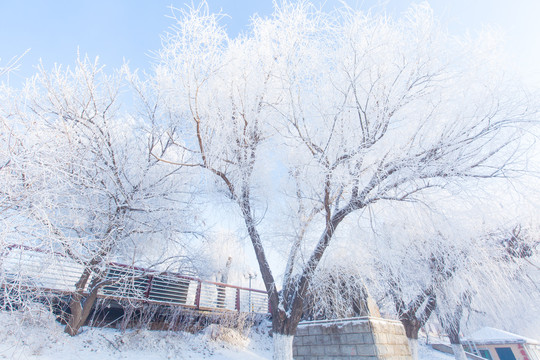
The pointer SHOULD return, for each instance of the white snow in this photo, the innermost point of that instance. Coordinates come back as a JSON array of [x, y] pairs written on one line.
[[425, 352], [492, 335], [39, 336], [35, 335]]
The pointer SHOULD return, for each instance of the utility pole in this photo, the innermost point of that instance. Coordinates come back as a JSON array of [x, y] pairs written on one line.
[[250, 275]]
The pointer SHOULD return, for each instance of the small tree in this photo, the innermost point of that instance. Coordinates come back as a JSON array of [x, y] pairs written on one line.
[[11, 152], [355, 108], [422, 265], [411, 265], [338, 291], [495, 266], [451, 323], [97, 191]]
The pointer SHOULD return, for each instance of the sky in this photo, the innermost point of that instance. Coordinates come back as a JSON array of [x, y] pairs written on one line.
[[129, 30]]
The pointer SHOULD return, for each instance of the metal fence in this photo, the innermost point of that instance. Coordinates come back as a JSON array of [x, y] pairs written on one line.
[[53, 273]]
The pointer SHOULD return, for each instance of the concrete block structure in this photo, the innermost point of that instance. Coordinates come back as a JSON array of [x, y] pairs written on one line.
[[363, 338]]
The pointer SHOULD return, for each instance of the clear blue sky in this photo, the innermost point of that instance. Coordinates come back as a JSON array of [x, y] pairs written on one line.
[[130, 29]]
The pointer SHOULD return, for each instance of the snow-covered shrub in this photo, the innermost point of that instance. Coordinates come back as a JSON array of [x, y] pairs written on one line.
[[336, 292]]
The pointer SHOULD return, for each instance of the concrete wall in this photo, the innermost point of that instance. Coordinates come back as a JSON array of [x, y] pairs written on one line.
[[365, 338]]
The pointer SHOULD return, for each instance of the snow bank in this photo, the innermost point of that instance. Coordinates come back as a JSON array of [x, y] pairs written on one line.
[[492, 335], [36, 335], [425, 352]]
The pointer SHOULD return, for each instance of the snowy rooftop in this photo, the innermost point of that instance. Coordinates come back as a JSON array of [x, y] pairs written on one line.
[[489, 335]]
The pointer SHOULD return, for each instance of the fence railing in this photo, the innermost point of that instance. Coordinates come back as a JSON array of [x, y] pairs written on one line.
[[54, 273]]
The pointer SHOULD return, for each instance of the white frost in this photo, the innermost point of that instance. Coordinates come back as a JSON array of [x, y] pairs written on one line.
[[488, 334]]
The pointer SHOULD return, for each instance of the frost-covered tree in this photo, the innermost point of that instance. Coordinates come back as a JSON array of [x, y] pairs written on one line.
[[338, 291], [94, 190], [423, 267], [321, 115], [11, 151], [9, 66], [451, 322], [498, 264], [411, 265]]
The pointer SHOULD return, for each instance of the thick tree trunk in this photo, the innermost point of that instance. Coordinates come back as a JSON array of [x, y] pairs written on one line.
[[283, 331], [81, 305], [284, 325], [75, 304], [287, 307], [452, 326], [72, 327], [283, 347], [414, 318], [459, 352], [412, 328], [413, 346], [455, 341]]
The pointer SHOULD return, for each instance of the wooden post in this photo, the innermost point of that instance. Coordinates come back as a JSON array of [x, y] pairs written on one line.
[[149, 287], [198, 295]]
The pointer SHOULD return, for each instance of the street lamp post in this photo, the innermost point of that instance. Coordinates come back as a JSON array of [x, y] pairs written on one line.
[[250, 275]]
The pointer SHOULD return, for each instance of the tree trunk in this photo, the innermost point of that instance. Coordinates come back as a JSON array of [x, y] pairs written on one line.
[[80, 305], [72, 327], [283, 347], [75, 306], [455, 341], [459, 352], [413, 346], [285, 320], [283, 331], [414, 318], [80, 310], [412, 328], [288, 307], [452, 326]]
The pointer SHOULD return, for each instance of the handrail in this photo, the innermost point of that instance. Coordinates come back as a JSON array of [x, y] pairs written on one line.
[[131, 283]]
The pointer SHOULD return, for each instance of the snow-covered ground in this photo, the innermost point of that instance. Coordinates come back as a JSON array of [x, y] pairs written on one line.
[[427, 353], [39, 337]]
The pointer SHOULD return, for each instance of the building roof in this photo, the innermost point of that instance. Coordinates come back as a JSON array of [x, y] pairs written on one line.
[[488, 335]]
